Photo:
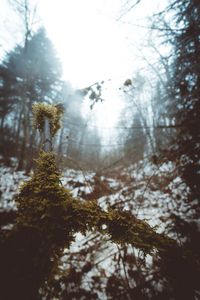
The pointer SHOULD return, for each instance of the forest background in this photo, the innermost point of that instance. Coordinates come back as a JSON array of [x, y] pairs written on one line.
[[146, 162]]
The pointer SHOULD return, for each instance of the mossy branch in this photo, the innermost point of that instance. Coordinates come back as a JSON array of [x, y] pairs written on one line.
[[121, 226], [48, 217], [46, 205]]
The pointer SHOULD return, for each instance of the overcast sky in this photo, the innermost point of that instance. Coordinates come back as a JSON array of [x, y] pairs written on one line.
[[91, 39]]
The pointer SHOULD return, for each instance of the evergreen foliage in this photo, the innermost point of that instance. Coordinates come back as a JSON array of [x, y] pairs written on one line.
[[182, 106], [186, 90], [28, 74]]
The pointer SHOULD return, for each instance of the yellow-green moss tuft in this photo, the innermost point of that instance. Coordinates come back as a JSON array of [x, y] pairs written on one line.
[[52, 112]]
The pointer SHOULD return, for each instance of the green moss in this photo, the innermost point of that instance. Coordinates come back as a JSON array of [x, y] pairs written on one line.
[[48, 216], [124, 228], [46, 205], [43, 203], [52, 112]]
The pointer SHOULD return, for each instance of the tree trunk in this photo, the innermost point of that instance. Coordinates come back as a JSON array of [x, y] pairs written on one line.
[[2, 123], [60, 150], [47, 143]]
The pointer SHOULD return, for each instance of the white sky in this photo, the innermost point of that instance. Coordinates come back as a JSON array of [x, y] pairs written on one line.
[[94, 46], [91, 44]]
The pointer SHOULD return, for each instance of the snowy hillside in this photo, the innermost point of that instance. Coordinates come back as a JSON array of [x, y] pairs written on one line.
[[150, 191]]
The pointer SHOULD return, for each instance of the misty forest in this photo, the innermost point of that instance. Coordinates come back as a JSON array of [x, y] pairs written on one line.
[[100, 150]]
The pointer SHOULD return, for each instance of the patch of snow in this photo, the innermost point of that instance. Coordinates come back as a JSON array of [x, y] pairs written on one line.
[[167, 167], [9, 185]]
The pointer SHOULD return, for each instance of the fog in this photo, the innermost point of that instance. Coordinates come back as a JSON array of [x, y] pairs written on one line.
[[99, 149]]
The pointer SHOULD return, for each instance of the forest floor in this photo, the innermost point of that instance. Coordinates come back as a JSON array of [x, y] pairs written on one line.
[[151, 191]]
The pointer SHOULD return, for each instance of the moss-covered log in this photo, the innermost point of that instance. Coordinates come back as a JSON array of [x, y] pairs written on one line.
[[47, 206], [48, 217]]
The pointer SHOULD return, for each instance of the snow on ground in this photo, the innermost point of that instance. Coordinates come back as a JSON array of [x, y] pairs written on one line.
[[10, 181], [80, 183], [150, 191]]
